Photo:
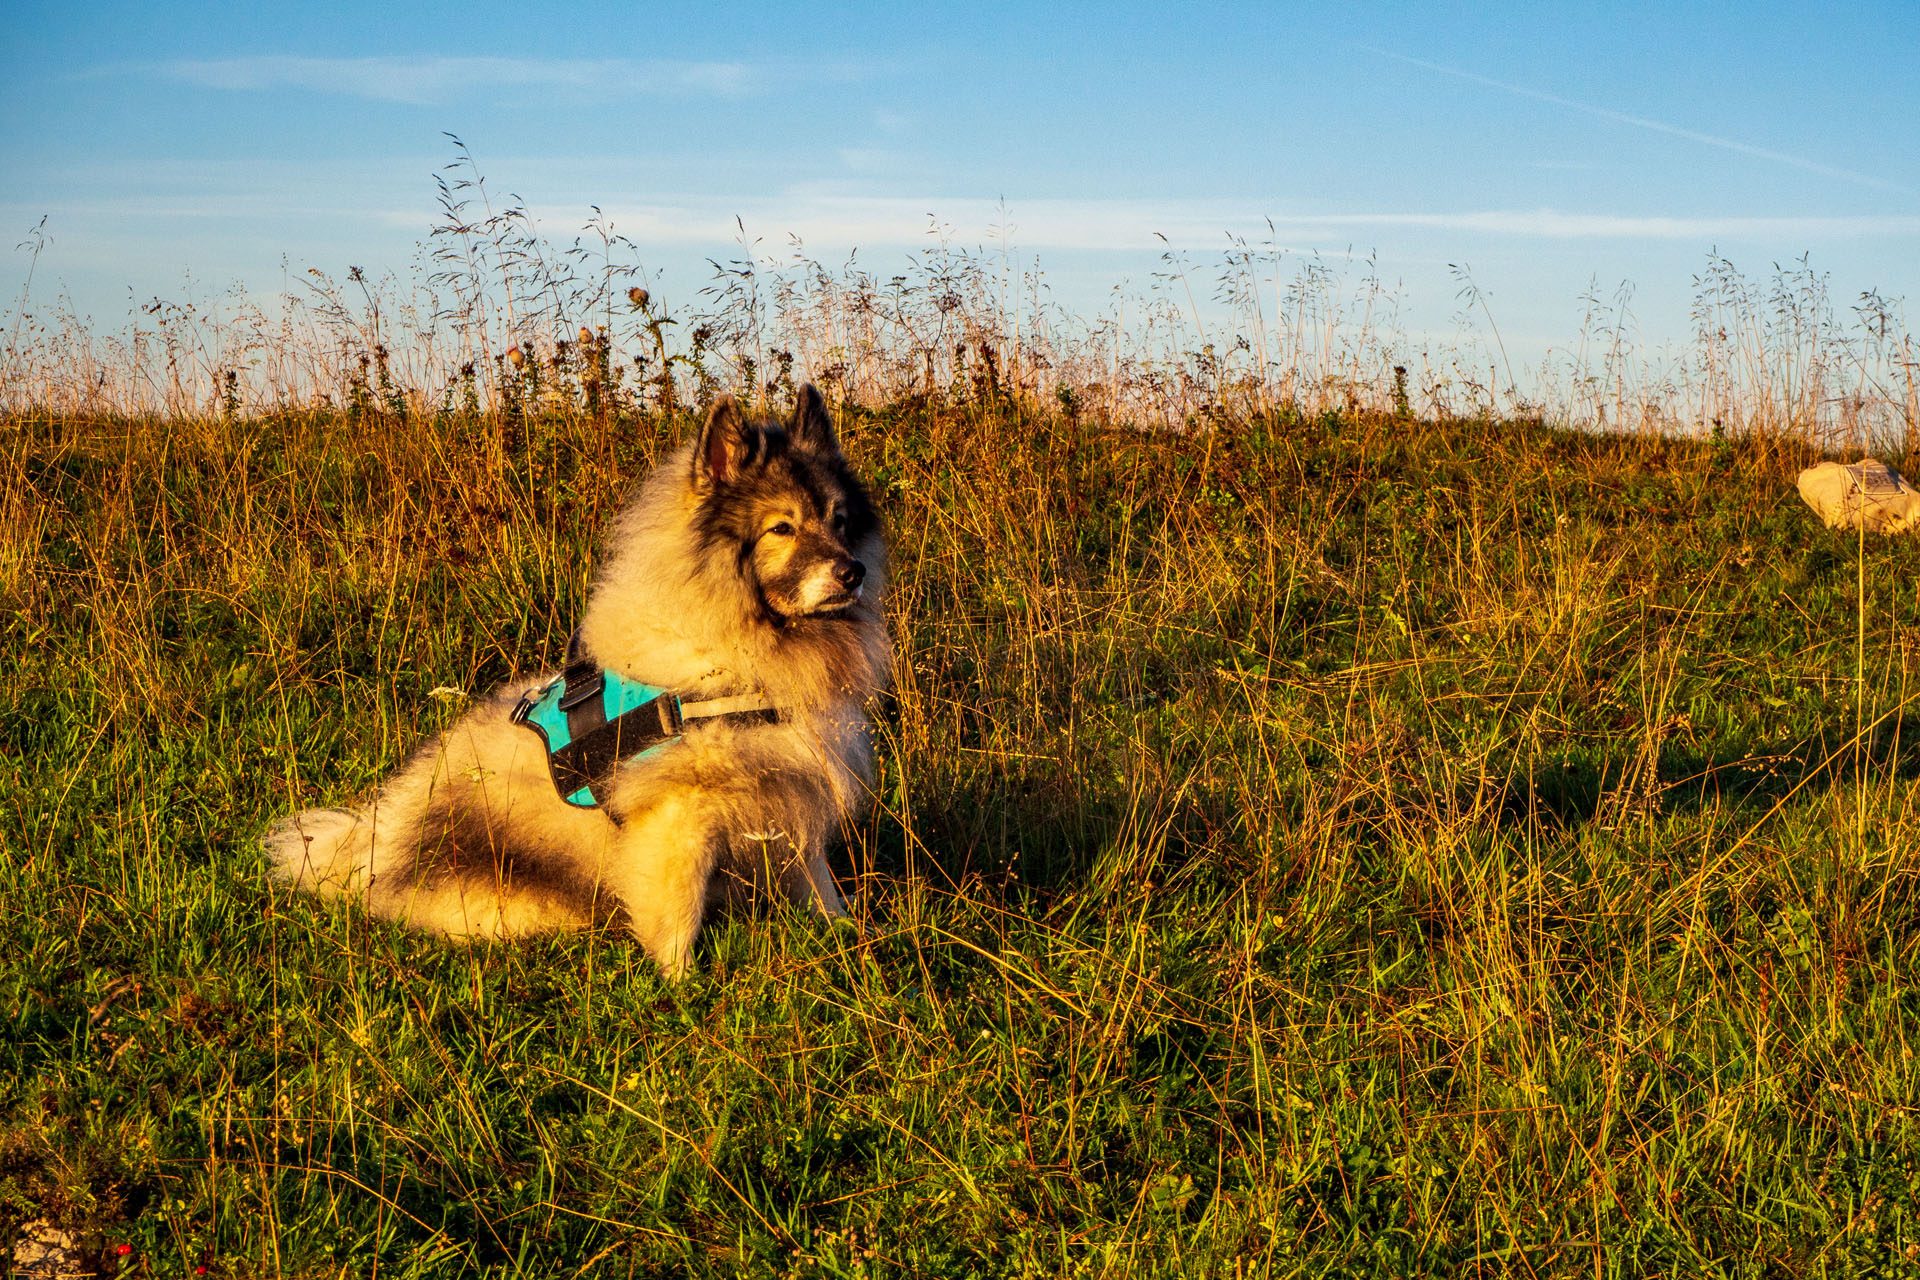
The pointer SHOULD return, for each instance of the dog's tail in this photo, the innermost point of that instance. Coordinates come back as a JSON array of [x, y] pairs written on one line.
[[325, 851]]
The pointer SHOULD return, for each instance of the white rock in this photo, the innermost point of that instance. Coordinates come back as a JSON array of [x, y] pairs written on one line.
[[45, 1252], [1865, 494]]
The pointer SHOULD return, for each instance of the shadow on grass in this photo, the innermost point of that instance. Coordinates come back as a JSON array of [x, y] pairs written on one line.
[[1692, 779]]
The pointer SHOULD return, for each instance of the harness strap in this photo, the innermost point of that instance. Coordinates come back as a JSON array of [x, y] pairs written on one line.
[[592, 720], [599, 744], [742, 705]]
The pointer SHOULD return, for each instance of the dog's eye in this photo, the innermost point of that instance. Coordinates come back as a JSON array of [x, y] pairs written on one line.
[[839, 520], [781, 530]]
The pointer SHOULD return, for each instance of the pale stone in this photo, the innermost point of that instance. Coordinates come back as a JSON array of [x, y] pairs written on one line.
[[45, 1252], [1865, 494]]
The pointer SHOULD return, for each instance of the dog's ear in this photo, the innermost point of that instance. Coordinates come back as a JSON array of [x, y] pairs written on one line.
[[725, 442], [812, 428]]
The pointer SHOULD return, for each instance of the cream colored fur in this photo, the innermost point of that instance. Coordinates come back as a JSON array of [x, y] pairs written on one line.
[[470, 839]]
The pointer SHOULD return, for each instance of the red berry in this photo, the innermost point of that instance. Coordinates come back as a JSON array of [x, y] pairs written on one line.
[[123, 1249]]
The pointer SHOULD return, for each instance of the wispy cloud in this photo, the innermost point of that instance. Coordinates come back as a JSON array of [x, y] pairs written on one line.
[[1554, 224], [1642, 122], [829, 219], [852, 209], [435, 78]]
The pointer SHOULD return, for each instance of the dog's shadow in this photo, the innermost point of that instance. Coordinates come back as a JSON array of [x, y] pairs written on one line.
[[1008, 837]]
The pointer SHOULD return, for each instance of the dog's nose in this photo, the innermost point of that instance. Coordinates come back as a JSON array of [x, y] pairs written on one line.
[[851, 574]]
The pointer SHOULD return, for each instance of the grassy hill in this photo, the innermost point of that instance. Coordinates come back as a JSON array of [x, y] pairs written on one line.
[[1316, 845]]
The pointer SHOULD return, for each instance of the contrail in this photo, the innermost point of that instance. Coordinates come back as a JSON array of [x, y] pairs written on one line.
[[1622, 117]]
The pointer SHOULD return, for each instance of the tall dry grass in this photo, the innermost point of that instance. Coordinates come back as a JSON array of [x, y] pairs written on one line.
[[496, 312], [1369, 836], [1345, 842]]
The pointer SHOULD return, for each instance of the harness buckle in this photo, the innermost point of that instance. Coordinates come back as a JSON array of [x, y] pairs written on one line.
[[582, 691], [667, 708]]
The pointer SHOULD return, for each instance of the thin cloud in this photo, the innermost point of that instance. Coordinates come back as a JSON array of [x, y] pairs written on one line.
[[434, 78], [1642, 122], [829, 219], [836, 213], [1553, 224]]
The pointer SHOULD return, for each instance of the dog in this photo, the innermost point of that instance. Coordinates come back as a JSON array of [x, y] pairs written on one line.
[[743, 586]]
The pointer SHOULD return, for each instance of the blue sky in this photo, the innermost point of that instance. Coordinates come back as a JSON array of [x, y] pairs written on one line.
[[1545, 146]]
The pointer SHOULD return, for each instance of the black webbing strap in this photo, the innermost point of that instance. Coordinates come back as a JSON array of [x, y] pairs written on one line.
[[598, 744], [585, 683], [592, 742], [595, 752]]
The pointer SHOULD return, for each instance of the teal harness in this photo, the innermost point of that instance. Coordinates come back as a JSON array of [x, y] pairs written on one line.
[[592, 721]]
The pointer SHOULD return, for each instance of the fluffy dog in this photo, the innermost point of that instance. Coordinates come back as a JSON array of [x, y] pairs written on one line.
[[745, 580]]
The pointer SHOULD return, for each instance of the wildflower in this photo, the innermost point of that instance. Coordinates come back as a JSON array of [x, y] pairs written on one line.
[[515, 356], [586, 336], [637, 296]]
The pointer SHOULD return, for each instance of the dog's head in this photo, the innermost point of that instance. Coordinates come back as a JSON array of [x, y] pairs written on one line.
[[782, 502]]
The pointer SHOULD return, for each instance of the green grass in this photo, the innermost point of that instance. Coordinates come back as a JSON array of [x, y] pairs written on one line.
[[1331, 846]]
